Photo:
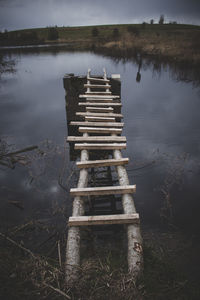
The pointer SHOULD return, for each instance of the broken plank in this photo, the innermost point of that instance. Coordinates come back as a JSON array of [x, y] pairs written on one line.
[[99, 124], [99, 104], [100, 130], [105, 190], [99, 119], [96, 138], [95, 114], [112, 146], [104, 220], [102, 163]]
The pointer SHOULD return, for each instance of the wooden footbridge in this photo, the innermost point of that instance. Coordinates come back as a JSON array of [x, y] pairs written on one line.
[[100, 142]]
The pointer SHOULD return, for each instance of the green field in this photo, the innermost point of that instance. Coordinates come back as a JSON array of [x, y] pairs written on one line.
[[175, 41]]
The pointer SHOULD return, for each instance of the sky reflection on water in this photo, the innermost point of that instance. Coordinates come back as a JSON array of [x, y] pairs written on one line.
[[161, 119]]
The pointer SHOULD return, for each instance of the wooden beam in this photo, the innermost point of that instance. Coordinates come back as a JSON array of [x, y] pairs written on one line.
[[105, 190], [99, 96], [102, 163], [99, 109], [97, 86], [99, 119], [104, 220], [96, 139], [100, 130], [98, 79], [101, 146], [98, 93], [99, 104], [99, 124], [94, 114], [93, 100]]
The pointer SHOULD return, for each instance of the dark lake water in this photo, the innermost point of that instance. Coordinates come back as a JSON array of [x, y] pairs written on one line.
[[162, 126]]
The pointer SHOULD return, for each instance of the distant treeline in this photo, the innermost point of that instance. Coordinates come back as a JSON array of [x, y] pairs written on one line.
[[27, 37]]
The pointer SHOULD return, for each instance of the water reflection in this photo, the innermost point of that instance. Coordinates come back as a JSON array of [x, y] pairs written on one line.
[[138, 76], [161, 119]]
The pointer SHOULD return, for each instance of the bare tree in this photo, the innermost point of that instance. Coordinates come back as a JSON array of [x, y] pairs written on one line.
[[161, 20]]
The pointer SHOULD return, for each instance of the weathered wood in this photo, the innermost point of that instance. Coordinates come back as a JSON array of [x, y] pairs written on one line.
[[94, 100], [98, 79], [98, 93], [99, 146], [95, 114], [112, 104], [99, 109], [100, 130], [97, 124], [99, 119], [97, 86], [100, 96], [73, 238], [106, 190], [104, 220], [102, 163], [135, 258], [96, 139]]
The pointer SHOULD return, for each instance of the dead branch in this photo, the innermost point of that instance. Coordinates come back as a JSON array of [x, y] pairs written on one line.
[[57, 290]]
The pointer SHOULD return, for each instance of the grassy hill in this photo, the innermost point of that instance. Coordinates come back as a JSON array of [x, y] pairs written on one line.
[[176, 41]]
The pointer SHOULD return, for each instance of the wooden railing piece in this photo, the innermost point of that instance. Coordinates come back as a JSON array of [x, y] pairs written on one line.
[[108, 190], [102, 163], [97, 86], [88, 103], [100, 130], [99, 124], [96, 139], [104, 220], [99, 114], [99, 96], [99, 146], [99, 109]]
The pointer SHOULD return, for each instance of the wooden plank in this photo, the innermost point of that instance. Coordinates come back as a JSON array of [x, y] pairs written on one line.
[[99, 119], [97, 93], [99, 104], [100, 130], [94, 114], [97, 86], [99, 109], [98, 79], [96, 139], [99, 100], [99, 124], [112, 146], [105, 190], [99, 96], [102, 163], [104, 220]]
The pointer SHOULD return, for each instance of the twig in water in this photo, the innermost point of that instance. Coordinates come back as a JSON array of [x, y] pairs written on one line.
[[22, 150]]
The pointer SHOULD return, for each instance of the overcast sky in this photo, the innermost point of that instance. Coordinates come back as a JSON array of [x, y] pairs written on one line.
[[19, 14]]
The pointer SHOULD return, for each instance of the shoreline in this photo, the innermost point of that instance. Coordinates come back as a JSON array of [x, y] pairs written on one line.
[[175, 42]]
